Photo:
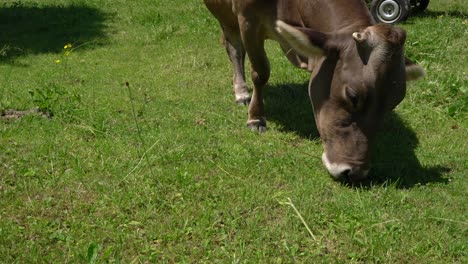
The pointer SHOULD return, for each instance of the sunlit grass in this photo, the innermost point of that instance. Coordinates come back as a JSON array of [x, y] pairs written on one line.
[[147, 159]]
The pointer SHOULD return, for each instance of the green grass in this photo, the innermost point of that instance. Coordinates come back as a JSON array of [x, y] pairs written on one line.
[[164, 170]]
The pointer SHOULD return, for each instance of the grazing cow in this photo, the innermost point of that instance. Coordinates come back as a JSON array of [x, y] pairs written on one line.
[[359, 70]]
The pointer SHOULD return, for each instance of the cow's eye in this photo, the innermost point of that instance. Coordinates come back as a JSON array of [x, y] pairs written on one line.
[[352, 96]]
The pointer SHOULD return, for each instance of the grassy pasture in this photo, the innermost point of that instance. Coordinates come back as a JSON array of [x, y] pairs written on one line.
[[142, 155]]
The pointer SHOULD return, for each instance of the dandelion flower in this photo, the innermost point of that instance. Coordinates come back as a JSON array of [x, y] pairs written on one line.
[[68, 46], [57, 61]]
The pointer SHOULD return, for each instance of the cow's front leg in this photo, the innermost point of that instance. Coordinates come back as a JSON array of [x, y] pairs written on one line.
[[260, 71], [236, 52]]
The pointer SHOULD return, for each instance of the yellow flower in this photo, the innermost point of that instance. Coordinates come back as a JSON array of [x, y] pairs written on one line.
[[57, 61], [68, 46]]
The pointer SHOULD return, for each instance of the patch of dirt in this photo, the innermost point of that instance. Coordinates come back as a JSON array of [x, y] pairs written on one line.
[[13, 114]]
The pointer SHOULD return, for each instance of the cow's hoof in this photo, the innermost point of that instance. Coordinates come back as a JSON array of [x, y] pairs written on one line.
[[257, 126], [243, 99]]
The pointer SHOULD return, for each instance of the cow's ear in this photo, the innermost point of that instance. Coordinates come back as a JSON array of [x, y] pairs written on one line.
[[413, 71], [304, 41]]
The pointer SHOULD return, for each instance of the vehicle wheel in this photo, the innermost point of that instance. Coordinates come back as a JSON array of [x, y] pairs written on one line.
[[421, 5], [389, 11]]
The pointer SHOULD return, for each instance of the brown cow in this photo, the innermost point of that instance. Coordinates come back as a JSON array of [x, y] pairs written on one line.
[[358, 68]]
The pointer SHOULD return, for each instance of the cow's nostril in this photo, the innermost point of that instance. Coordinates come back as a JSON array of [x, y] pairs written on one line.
[[345, 174]]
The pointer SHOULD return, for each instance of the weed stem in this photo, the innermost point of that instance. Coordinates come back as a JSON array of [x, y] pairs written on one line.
[[290, 203], [138, 128]]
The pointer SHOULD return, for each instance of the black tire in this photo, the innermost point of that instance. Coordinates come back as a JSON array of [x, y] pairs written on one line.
[[389, 11], [421, 5]]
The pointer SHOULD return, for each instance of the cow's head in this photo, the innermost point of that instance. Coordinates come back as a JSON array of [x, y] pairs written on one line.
[[357, 78]]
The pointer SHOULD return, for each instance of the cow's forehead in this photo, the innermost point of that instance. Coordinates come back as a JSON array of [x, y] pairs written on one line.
[[352, 70], [382, 59]]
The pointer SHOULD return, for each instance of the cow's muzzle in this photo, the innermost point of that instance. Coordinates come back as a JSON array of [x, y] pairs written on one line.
[[344, 171]]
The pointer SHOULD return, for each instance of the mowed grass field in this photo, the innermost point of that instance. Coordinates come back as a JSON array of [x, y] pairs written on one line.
[[139, 154]]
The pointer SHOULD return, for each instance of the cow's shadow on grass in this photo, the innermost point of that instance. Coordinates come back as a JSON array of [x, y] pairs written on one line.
[[289, 106], [435, 14], [394, 158], [46, 29]]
